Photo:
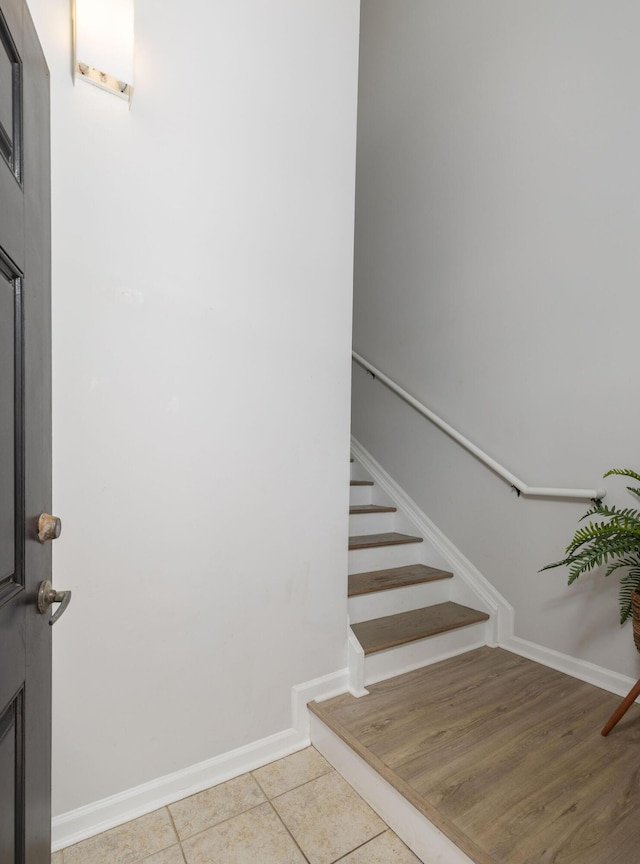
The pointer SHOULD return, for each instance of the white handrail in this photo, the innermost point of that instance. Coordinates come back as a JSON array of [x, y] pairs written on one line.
[[521, 487]]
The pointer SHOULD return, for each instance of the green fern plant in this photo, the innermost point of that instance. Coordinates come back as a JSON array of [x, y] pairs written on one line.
[[614, 542]]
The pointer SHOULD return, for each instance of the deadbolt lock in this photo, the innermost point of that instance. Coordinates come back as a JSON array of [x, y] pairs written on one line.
[[49, 527]]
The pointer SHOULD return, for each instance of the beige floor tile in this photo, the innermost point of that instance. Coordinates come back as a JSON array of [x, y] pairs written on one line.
[[173, 855], [208, 808], [292, 771], [56, 858], [256, 837], [385, 849], [327, 818], [126, 844]]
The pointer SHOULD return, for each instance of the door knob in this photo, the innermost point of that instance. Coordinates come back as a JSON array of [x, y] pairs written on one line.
[[47, 595], [49, 527]]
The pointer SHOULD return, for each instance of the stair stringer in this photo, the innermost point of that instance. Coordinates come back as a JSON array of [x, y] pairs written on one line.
[[469, 585]]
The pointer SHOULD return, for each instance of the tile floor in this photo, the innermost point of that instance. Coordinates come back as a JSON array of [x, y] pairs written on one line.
[[295, 811]]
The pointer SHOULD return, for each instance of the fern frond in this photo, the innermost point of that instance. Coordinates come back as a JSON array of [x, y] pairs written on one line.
[[600, 533], [612, 512], [622, 472], [596, 555], [597, 529], [612, 538], [631, 561], [593, 511], [555, 564]]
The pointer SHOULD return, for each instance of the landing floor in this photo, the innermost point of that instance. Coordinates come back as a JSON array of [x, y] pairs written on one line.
[[505, 756]]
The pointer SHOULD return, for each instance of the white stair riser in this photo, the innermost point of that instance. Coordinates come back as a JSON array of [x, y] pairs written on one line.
[[360, 495], [464, 594], [371, 523], [358, 472], [382, 557], [364, 607], [429, 844], [424, 652]]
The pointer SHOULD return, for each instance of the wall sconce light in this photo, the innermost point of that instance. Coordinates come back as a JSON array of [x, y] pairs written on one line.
[[103, 44]]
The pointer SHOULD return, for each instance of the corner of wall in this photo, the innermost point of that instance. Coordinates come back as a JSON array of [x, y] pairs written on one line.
[[70, 828]]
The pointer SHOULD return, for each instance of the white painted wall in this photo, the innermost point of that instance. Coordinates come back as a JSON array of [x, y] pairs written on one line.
[[497, 273], [202, 264]]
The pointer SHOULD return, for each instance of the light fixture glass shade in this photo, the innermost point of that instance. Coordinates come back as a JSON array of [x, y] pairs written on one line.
[[103, 44]]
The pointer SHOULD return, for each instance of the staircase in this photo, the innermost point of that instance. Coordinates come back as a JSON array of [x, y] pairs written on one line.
[[406, 609]]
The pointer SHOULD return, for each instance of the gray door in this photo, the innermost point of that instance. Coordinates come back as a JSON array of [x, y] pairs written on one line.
[[25, 441]]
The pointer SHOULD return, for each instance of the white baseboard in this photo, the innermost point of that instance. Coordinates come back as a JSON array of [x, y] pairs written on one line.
[[77, 825], [606, 679], [318, 690], [501, 611], [70, 828]]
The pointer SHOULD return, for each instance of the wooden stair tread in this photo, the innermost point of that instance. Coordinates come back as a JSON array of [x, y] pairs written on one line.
[[390, 538], [394, 577], [381, 633], [371, 508], [361, 482]]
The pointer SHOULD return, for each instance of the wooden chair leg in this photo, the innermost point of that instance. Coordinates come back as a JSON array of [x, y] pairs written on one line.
[[622, 709]]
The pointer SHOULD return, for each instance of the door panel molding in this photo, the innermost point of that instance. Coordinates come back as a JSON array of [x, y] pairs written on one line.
[[12, 762], [13, 583], [11, 138]]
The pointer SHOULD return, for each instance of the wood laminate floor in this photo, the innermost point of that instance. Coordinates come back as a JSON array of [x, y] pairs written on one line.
[[505, 756]]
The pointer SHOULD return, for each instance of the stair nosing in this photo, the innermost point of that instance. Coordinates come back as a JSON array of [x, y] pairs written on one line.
[[405, 577], [368, 509], [398, 540], [384, 645]]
